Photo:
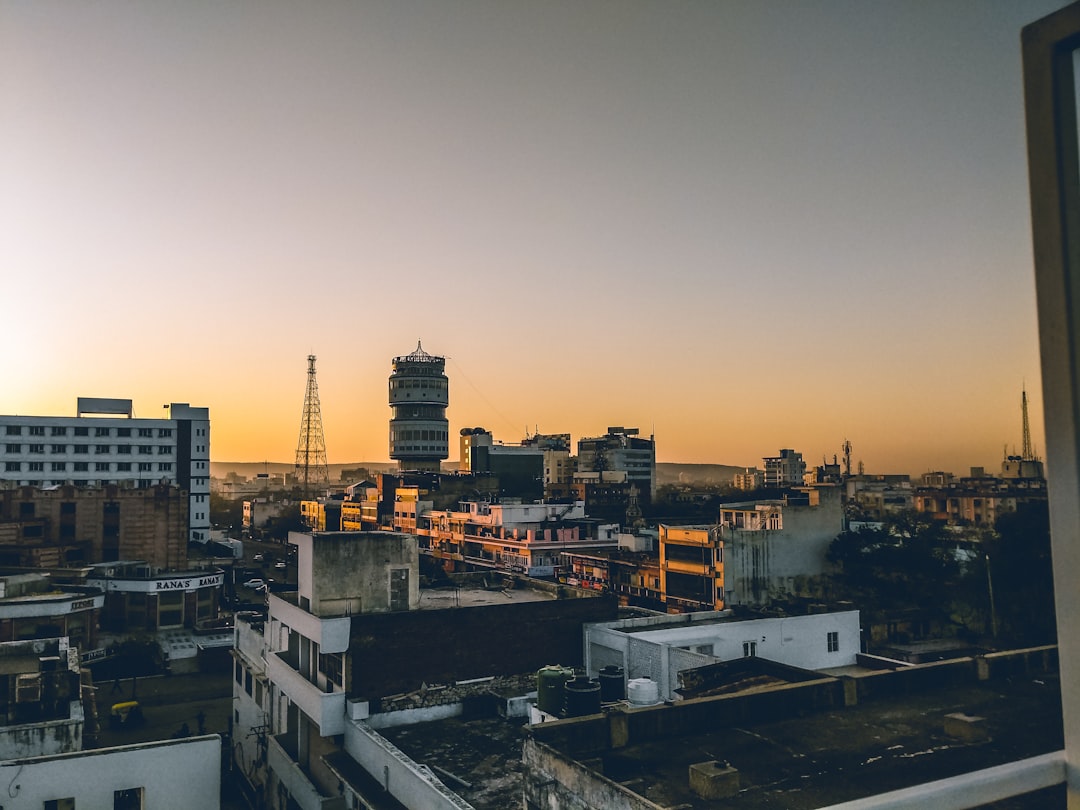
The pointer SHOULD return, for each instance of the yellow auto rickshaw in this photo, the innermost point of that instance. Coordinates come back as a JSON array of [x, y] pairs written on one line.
[[125, 715]]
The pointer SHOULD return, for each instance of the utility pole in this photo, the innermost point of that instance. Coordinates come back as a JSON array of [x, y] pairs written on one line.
[[990, 589]]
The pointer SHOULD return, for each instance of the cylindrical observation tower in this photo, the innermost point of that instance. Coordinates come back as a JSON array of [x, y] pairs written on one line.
[[419, 394]]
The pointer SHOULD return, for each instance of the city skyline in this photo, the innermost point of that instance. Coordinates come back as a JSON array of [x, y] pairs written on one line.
[[739, 227]]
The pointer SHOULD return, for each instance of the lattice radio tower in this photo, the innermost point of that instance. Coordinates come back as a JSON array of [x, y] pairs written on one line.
[[311, 472]]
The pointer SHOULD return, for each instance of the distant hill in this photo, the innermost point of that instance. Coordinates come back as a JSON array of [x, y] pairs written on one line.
[[249, 469], [667, 472]]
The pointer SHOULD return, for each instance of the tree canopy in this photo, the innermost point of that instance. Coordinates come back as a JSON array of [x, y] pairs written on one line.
[[988, 582]]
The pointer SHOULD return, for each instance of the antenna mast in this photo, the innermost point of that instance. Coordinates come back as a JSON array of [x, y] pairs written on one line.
[[311, 471], [1027, 454]]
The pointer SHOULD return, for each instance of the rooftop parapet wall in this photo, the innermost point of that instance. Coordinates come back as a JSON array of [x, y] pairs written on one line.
[[588, 736], [1029, 662], [397, 652], [552, 780], [411, 784]]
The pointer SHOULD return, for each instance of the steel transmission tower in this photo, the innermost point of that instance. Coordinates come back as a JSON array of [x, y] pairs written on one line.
[[311, 472]]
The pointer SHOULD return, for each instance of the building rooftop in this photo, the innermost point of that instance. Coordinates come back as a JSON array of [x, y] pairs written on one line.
[[478, 758], [822, 759], [793, 746], [799, 763], [473, 595], [652, 621]]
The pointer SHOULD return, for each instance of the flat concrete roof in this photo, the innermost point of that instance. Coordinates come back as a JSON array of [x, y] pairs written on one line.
[[472, 596], [482, 753], [668, 621], [825, 758], [798, 763]]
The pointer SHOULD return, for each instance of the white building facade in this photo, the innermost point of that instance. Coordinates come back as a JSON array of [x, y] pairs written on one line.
[[165, 775], [660, 647], [104, 443], [778, 549]]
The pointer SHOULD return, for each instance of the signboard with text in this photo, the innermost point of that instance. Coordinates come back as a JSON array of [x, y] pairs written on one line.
[[185, 583]]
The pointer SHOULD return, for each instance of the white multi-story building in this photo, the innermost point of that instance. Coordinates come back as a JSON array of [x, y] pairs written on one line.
[[620, 449], [784, 470], [104, 443], [659, 647]]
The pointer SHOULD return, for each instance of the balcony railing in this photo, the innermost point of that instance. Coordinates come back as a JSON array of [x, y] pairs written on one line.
[[281, 759], [325, 708]]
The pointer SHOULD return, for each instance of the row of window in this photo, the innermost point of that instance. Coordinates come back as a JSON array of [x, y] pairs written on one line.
[[403, 434], [84, 466], [126, 799], [83, 449], [431, 384], [62, 430], [252, 685], [418, 448], [83, 482], [832, 642]]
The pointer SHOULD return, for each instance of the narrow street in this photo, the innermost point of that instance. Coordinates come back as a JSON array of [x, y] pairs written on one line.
[[167, 703]]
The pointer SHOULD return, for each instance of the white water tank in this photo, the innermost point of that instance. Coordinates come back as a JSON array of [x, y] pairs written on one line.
[[642, 692]]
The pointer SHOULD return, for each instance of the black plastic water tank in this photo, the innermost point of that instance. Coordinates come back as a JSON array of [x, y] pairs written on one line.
[[582, 696], [612, 685]]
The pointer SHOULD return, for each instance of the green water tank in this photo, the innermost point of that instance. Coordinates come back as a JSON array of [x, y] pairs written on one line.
[[550, 688]]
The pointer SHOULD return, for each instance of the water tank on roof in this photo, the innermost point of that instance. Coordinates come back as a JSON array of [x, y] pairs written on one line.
[[550, 681], [582, 696], [612, 684], [643, 692]]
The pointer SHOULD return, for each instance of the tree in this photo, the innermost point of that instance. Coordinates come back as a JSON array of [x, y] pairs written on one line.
[[909, 562], [226, 512], [289, 520], [1018, 560]]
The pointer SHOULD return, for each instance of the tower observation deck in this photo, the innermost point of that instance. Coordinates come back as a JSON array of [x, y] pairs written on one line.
[[419, 394]]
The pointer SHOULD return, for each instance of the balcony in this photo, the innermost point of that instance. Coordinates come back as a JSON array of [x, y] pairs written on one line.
[[326, 709], [690, 567], [331, 634], [281, 759]]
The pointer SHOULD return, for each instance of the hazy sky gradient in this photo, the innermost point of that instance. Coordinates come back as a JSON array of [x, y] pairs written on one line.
[[744, 225]]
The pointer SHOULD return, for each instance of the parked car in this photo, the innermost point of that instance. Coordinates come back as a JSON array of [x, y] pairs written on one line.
[[255, 584], [280, 565], [258, 558]]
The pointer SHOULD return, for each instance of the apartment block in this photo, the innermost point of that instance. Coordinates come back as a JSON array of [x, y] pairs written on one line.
[[691, 568], [68, 525], [784, 470], [525, 538], [105, 443], [621, 449]]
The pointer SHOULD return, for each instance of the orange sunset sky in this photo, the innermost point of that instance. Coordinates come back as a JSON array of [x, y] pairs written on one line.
[[740, 226]]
